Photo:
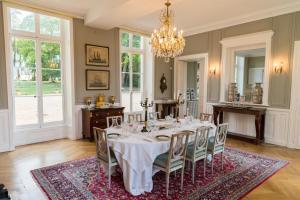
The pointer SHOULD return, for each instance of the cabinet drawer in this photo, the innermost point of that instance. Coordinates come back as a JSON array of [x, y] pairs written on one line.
[[114, 113]]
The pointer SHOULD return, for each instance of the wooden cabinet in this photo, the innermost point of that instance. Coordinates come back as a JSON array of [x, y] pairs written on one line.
[[96, 117]]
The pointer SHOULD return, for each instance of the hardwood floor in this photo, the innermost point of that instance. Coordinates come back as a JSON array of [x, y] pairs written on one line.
[[15, 167]]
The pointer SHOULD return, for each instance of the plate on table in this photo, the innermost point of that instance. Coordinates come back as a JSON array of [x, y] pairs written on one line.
[[113, 135], [162, 137]]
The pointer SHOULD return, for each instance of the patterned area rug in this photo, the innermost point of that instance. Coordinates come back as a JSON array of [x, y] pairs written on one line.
[[85, 180]]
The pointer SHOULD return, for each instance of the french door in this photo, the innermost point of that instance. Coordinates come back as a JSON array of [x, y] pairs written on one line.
[[132, 81], [37, 82]]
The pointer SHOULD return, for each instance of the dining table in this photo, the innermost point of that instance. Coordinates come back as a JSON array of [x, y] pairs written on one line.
[[136, 151]]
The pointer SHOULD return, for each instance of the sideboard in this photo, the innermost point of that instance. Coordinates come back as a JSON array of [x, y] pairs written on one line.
[[96, 117]]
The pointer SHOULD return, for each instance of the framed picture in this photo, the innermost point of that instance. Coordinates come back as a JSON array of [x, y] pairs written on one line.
[[97, 79], [97, 55]]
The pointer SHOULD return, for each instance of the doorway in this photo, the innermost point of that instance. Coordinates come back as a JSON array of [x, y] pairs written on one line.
[[190, 79]]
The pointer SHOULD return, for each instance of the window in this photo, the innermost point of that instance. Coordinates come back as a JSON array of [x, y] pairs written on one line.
[[135, 58], [37, 66]]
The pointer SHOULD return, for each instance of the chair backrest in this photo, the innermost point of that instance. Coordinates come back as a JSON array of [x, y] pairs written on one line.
[[178, 146], [130, 118], [201, 140], [139, 117], [154, 115], [205, 117], [114, 121], [220, 138], [102, 147]]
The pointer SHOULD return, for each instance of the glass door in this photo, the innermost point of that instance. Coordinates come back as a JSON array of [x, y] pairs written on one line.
[[24, 73], [36, 63], [52, 96], [131, 88]]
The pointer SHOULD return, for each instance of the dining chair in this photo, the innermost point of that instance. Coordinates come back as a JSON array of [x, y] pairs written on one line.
[[197, 150], [139, 117], [104, 153], [216, 144], [130, 118], [205, 117], [174, 159], [114, 121], [154, 115]]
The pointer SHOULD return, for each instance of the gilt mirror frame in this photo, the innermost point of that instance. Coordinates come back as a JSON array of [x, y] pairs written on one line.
[[249, 41]]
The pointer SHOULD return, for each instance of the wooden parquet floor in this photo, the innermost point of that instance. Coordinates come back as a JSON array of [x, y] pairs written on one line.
[[15, 167]]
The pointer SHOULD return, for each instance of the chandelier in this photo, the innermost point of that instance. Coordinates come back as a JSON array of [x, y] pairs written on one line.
[[166, 41]]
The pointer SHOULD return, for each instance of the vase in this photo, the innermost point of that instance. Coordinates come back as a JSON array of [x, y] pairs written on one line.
[[232, 92], [257, 94]]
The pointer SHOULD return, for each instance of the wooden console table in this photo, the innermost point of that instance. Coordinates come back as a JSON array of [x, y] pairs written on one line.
[[259, 114], [165, 107]]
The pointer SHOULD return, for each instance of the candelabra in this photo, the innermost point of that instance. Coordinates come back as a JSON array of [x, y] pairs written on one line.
[[146, 105], [179, 101]]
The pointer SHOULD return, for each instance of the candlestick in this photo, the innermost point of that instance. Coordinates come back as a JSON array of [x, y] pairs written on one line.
[[146, 105], [179, 101]]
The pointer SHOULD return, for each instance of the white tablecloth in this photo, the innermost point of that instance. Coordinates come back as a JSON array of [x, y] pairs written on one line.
[[136, 153]]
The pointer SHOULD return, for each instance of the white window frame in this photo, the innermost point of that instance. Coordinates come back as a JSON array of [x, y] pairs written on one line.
[[38, 38], [130, 51]]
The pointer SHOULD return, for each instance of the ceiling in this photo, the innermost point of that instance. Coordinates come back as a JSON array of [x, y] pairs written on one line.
[[193, 16]]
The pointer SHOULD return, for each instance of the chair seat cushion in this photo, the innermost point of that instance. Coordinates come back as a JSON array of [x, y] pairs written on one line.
[[162, 161], [189, 153], [112, 157], [210, 145]]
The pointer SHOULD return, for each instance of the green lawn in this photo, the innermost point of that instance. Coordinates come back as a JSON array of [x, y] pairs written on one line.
[[29, 87]]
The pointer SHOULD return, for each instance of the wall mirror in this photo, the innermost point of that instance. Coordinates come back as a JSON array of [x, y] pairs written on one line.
[[246, 65], [249, 70]]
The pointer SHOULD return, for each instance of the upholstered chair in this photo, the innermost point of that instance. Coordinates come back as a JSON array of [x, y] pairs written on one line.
[[216, 144], [197, 150], [104, 153], [205, 117], [114, 121], [174, 159]]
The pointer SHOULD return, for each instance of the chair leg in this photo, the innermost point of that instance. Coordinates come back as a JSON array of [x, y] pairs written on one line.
[[204, 167], [175, 173], [182, 173], [109, 178], [222, 159], [194, 165], [212, 164], [167, 184]]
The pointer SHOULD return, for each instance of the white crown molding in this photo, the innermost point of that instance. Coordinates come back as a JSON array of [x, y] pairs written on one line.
[[272, 12], [41, 8]]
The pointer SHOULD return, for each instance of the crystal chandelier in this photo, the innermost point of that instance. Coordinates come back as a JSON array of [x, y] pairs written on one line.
[[167, 42]]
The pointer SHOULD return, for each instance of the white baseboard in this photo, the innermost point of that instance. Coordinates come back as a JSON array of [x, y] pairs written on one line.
[[78, 118], [4, 131], [40, 135]]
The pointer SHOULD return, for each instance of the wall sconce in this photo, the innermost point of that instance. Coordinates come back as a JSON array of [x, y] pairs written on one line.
[[278, 68], [212, 71]]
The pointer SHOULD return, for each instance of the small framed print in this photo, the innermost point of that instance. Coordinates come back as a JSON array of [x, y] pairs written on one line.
[[97, 79], [96, 55]]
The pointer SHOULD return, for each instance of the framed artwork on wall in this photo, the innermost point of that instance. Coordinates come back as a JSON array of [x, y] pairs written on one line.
[[96, 55], [97, 79]]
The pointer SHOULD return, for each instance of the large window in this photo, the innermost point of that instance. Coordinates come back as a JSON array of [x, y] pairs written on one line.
[[134, 60], [36, 43]]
